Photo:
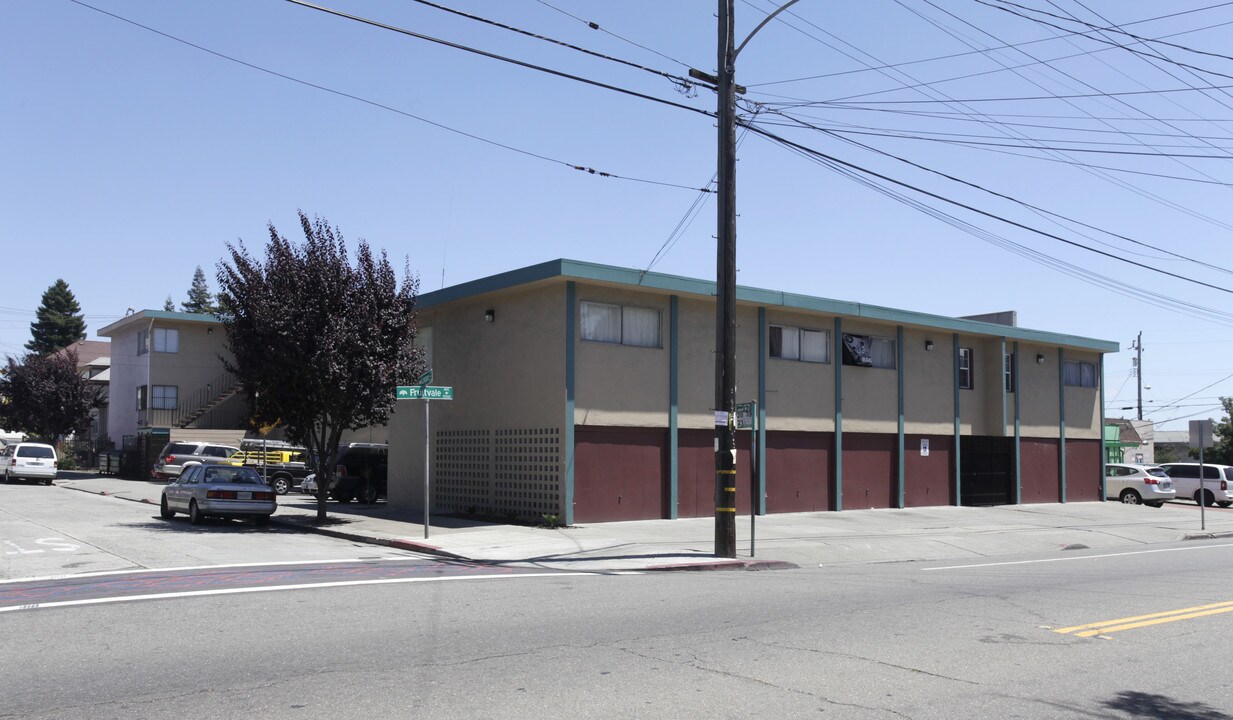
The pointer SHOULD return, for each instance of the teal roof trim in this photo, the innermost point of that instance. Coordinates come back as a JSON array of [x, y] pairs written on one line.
[[577, 270], [147, 315]]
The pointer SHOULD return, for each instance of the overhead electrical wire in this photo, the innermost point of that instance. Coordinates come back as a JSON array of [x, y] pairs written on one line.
[[978, 211], [1032, 207], [494, 56], [681, 82], [606, 31], [573, 166]]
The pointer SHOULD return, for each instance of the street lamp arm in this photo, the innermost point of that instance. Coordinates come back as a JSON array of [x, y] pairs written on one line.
[[769, 18]]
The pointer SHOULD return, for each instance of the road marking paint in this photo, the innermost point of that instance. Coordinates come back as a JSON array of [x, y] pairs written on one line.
[[107, 573], [1080, 557], [1141, 621], [273, 588]]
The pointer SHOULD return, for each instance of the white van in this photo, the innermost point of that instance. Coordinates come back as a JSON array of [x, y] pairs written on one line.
[[1217, 482], [28, 461]]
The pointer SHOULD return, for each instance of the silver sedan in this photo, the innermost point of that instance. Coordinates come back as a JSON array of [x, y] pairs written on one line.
[[221, 491]]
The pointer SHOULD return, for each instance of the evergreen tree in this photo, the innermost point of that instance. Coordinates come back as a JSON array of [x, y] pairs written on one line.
[[169, 304], [59, 321], [200, 300]]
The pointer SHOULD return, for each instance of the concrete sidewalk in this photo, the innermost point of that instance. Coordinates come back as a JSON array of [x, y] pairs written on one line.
[[784, 540]]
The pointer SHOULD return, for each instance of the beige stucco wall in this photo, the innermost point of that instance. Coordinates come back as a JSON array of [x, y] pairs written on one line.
[[870, 395], [506, 374], [622, 384], [1038, 384], [801, 395], [128, 370], [928, 384], [696, 391], [1083, 404], [197, 362]]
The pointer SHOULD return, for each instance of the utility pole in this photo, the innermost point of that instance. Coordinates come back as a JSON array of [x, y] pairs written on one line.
[[1139, 369], [725, 299], [725, 279]]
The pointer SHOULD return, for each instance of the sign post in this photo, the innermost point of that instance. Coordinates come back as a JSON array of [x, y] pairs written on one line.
[[1201, 437], [747, 419], [422, 390]]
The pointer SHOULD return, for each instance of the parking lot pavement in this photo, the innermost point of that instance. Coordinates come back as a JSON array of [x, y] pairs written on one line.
[[942, 533]]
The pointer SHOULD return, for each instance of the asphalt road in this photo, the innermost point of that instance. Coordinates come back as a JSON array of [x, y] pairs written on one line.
[[912, 640]]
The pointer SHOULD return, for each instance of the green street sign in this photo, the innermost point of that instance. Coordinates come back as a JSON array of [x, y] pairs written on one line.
[[425, 392], [425, 378], [744, 416]]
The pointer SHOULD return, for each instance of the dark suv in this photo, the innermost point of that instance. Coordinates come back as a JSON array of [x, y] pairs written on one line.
[[360, 472]]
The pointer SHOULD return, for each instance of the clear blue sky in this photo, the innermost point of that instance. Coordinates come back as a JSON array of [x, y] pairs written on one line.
[[130, 158]]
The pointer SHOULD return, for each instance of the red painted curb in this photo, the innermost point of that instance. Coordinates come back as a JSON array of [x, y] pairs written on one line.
[[728, 565], [413, 545]]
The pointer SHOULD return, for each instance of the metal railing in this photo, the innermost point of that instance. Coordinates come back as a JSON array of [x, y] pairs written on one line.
[[212, 406]]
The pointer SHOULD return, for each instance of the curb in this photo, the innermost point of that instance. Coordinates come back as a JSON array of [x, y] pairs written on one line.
[[396, 543], [1207, 535], [753, 565]]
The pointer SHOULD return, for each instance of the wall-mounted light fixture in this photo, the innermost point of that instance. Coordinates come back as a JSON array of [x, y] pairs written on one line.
[[490, 315], [928, 345], [1040, 359]]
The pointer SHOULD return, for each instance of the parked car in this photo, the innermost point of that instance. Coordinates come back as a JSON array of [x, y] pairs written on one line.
[[1217, 482], [202, 491], [360, 472], [29, 461], [309, 484], [1138, 484], [183, 453]]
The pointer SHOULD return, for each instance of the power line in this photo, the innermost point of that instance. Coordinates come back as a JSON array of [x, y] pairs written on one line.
[[683, 84], [494, 56], [970, 208], [388, 108], [596, 26]]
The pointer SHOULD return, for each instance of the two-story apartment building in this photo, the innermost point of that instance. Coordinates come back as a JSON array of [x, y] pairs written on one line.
[[167, 381], [587, 391]]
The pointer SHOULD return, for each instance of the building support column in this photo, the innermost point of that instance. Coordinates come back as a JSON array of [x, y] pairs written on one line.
[[760, 421], [899, 371], [838, 414], [954, 364], [674, 445], [1018, 430], [1061, 419], [571, 322], [1104, 448]]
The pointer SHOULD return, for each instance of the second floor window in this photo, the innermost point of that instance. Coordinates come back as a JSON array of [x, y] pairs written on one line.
[[621, 324], [1079, 374], [792, 343], [166, 340], [965, 368]]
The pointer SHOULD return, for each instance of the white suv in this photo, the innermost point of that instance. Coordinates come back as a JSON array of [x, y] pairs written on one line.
[[1217, 482], [1135, 484], [29, 461]]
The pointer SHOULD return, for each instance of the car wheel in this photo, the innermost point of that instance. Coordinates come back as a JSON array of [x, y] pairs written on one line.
[[261, 520], [1157, 504], [194, 513], [367, 494], [48, 481], [1208, 497], [6, 477], [342, 497], [1130, 497], [164, 510], [281, 484], [1224, 503]]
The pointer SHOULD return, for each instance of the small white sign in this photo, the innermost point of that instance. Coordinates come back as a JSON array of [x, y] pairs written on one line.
[[721, 418], [924, 447]]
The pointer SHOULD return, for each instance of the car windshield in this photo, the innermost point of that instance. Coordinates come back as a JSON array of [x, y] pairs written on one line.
[[1157, 472], [239, 475], [34, 451]]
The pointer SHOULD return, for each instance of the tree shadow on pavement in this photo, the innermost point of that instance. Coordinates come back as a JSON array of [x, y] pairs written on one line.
[[1147, 705]]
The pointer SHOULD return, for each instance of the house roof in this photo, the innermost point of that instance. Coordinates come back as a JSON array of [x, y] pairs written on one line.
[[1126, 431], [89, 351], [148, 315], [564, 270], [1175, 437]]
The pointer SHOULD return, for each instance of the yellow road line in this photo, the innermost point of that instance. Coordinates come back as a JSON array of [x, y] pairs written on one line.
[[1138, 621]]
